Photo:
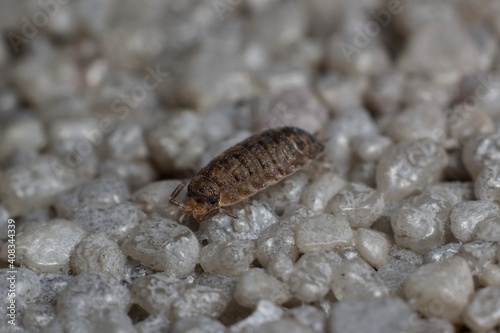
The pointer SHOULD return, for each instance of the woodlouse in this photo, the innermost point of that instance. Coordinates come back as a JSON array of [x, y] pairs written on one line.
[[247, 168]]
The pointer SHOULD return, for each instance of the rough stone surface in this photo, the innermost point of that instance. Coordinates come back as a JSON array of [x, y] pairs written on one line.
[[173, 298], [465, 217], [361, 204], [47, 247], [419, 224], [440, 289], [255, 285], [229, 258], [90, 293], [408, 167], [323, 233], [97, 253], [163, 245], [362, 316], [483, 312]]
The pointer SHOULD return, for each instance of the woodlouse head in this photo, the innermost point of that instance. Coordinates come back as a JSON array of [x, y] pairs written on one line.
[[203, 197]]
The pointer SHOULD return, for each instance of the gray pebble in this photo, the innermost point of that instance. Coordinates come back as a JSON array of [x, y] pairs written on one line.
[[229, 258], [406, 168], [164, 245], [25, 289], [321, 190], [46, 247], [401, 263], [160, 293], [466, 215], [364, 316], [361, 205], [487, 183], [197, 324], [440, 289], [97, 253], [37, 316], [356, 280], [99, 193], [373, 246], [278, 239], [481, 150], [419, 224], [311, 277], [323, 233], [482, 313], [116, 222], [90, 293], [255, 285]]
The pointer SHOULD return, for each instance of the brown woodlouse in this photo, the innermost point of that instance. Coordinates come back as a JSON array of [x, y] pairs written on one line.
[[247, 168]]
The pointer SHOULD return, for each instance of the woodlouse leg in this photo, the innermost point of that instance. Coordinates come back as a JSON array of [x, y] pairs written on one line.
[[210, 214], [228, 213], [174, 194]]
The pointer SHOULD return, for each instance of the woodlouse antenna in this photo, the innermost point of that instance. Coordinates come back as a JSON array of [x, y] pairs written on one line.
[[228, 213], [174, 194]]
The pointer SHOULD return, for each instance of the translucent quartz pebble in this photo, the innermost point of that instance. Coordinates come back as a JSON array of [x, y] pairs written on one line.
[[97, 253], [483, 312], [255, 285], [76, 136], [440, 289], [197, 324], [153, 323], [266, 311], [24, 283], [347, 125], [323, 233], [481, 150], [389, 315], [478, 254], [341, 92], [178, 143], [126, 142], [442, 253], [309, 316], [217, 281], [287, 192], [253, 217], [164, 294], [282, 326], [228, 258], [361, 205], [46, 247], [373, 246], [311, 277], [487, 184], [385, 92], [401, 264], [278, 239], [441, 41], [281, 267], [422, 90], [466, 215], [464, 121], [356, 279], [419, 224], [34, 185], [455, 192], [417, 122], [406, 168], [153, 198], [489, 275], [116, 222], [52, 285], [488, 229], [113, 320], [91, 293], [164, 245], [99, 193], [295, 107], [370, 148], [136, 173], [321, 190], [23, 133], [37, 316]]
